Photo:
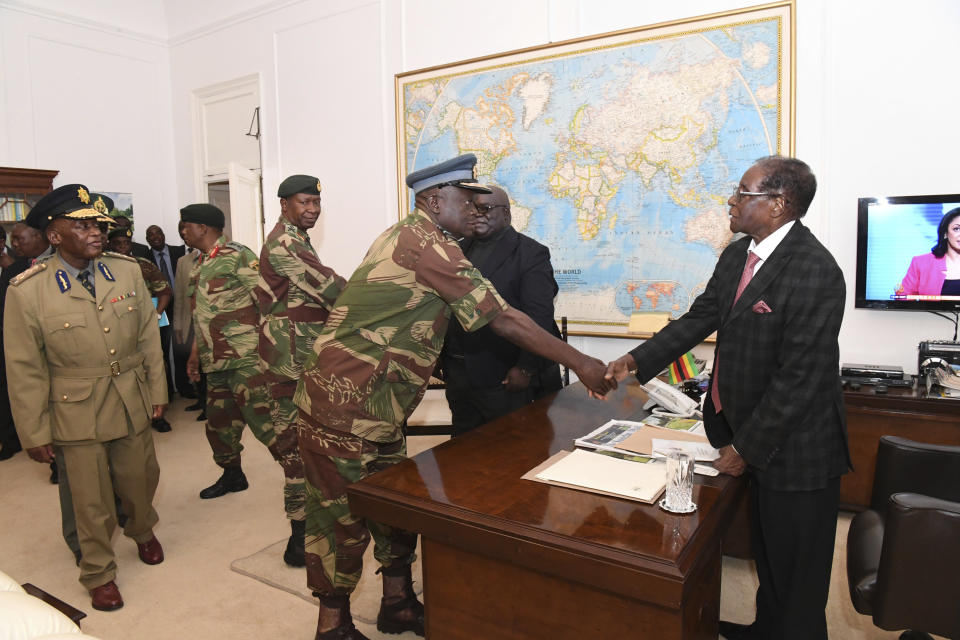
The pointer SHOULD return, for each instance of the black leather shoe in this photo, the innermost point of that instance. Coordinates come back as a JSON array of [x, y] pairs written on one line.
[[196, 406], [388, 620], [736, 631], [202, 416], [160, 424], [231, 480], [10, 449]]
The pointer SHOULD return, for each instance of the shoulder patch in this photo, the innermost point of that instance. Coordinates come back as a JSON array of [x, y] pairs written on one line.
[[120, 256], [29, 273]]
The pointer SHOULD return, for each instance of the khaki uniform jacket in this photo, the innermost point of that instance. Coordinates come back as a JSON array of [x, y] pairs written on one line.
[[77, 366]]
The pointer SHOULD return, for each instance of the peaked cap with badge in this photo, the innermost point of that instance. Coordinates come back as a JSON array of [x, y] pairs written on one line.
[[102, 203], [299, 183], [456, 172], [69, 201]]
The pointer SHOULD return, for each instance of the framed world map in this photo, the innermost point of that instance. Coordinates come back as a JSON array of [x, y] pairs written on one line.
[[618, 151]]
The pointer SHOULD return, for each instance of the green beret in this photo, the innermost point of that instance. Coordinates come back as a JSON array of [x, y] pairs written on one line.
[[202, 213], [299, 184], [119, 232]]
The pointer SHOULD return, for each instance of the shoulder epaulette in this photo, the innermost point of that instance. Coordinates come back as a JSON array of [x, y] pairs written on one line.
[[112, 254], [236, 246], [29, 273]]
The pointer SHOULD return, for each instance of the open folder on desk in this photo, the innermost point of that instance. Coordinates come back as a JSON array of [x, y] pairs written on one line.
[[642, 441], [602, 474]]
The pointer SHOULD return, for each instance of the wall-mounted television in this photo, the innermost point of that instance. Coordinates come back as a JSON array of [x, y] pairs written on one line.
[[895, 266]]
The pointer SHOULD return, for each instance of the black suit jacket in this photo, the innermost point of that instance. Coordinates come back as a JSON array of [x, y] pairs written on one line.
[[519, 268], [779, 371], [176, 252]]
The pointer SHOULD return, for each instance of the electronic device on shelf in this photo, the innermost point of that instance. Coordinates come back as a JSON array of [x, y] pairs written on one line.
[[871, 370], [891, 231], [905, 381]]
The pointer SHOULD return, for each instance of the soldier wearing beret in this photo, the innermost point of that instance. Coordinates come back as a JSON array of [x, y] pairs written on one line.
[[369, 370], [84, 362], [296, 292], [226, 320]]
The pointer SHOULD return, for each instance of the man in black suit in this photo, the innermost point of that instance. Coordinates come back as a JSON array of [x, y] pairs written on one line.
[[166, 258], [486, 376], [775, 407]]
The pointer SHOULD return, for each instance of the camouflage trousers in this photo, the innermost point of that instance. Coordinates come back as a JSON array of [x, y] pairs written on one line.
[[238, 397], [335, 538]]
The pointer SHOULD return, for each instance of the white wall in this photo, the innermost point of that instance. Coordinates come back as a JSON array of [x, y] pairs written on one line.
[[875, 106], [90, 101]]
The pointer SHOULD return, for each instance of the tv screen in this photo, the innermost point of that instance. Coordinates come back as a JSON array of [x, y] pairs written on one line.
[[896, 268]]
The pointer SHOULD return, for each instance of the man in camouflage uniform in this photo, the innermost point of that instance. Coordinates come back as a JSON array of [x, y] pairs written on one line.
[[225, 321], [83, 354], [369, 370], [120, 241], [295, 293]]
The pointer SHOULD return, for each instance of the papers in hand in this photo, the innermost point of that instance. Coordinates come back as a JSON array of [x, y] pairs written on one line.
[[604, 474]]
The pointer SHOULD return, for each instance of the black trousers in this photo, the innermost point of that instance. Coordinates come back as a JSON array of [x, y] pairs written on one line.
[[471, 407]]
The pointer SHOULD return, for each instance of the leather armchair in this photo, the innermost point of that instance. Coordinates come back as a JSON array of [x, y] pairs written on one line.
[[903, 556]]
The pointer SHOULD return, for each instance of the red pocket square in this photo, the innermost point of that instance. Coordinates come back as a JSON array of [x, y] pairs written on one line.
[[761, 307]]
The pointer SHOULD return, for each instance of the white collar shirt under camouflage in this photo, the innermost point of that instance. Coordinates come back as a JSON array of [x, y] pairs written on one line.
[[295, 293], [224, 304], [382, 339]]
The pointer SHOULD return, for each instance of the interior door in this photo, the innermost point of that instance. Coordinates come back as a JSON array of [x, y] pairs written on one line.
[[246, 213]]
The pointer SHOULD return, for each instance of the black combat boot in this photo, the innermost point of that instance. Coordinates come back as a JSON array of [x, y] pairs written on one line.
[[336, 610], [399, 608], [231, 480], [295, 555]]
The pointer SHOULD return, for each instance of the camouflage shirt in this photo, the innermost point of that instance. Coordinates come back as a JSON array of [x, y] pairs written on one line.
[[156, 283], [225, 316], [373, 358], [295, 294]]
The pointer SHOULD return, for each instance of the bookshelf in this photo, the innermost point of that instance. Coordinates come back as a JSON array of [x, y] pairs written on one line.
[[20, 189]]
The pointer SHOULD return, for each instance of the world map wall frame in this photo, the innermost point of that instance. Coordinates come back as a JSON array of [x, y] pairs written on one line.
[[618, 151]]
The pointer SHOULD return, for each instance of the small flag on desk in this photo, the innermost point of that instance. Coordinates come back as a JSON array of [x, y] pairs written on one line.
[[683, 369]]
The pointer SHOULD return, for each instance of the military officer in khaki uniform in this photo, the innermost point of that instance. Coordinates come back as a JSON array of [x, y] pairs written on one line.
[[84, 362]]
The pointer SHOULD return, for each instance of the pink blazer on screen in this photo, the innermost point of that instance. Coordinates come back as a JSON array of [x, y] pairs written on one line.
[[925, 276]]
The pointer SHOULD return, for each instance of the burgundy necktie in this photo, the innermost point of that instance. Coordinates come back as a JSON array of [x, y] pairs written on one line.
[[752, 260]]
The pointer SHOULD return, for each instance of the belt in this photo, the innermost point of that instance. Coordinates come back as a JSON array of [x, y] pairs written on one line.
[[113, 369]]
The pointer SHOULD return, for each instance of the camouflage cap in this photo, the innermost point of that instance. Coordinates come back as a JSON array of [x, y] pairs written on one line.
[[69, 201], [457, 172], [299, 184], [203, 213]]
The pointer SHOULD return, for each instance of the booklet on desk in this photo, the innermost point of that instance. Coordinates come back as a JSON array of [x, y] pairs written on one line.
[[596, 473]]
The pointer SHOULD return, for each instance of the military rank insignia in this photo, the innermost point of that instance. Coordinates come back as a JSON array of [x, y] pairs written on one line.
[[319, 189], [105, 270], [84, 195], [62, 280]]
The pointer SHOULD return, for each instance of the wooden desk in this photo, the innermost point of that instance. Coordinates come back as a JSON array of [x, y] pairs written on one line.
[[510, 558], [905, 412]]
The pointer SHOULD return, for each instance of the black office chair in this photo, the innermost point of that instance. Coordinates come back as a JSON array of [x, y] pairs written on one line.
[[903, 554]]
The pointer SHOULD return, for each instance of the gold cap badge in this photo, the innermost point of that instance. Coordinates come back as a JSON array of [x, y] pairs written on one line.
[[84, 195], [100, 205], [319, 188]]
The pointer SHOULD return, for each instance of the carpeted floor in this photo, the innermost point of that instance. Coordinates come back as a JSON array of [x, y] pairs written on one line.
[[194, 594]]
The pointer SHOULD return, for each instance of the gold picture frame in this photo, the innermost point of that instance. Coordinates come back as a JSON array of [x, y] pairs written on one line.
[[620, 146]]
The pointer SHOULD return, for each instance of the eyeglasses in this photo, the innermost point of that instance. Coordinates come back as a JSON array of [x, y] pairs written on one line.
[[484, 209], [738, 195]]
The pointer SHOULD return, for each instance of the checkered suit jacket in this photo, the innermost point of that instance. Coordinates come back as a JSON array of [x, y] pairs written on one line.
[[779, 386]]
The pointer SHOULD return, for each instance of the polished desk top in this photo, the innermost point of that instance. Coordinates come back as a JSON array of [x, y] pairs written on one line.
[[469, 493]]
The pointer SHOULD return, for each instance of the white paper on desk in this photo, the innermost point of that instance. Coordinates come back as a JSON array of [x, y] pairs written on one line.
[[699, 450], [604, 473]]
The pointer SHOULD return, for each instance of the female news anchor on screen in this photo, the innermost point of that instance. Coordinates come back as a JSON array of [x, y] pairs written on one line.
[[937, 272]]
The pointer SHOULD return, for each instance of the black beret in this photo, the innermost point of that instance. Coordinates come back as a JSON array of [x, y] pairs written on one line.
[[202, 213], [457, 172], [119, 232], [69, 201], [299, 184]]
